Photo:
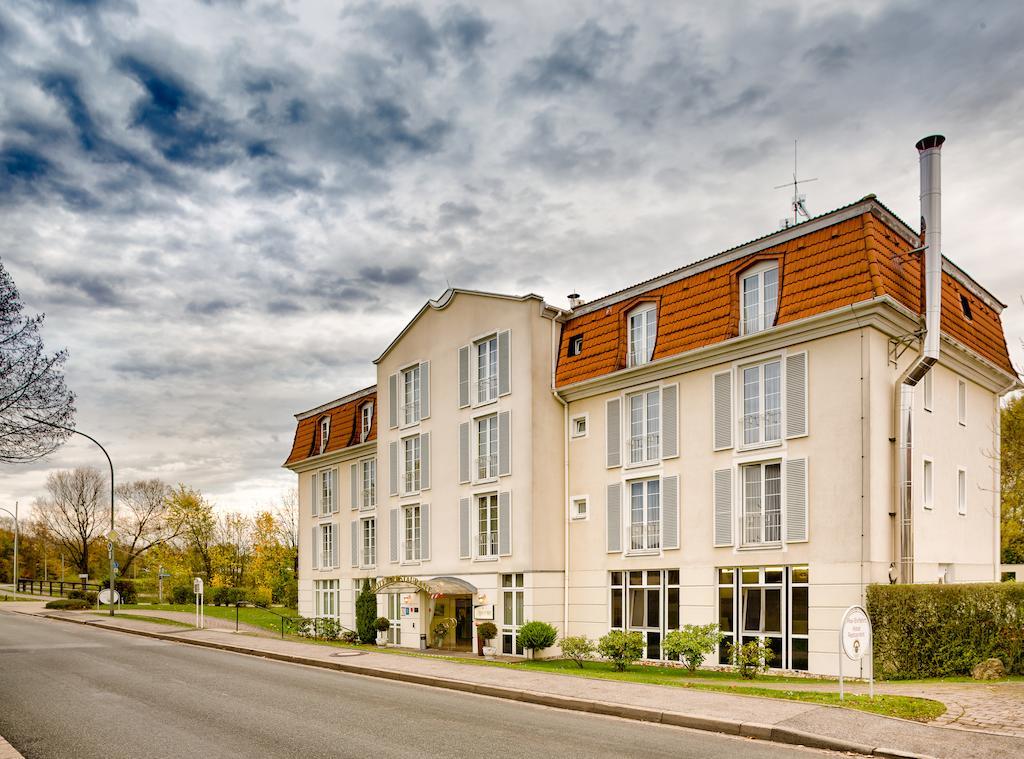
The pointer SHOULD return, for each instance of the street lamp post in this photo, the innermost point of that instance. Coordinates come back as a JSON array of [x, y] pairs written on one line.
[[111, 535], [15, 515]]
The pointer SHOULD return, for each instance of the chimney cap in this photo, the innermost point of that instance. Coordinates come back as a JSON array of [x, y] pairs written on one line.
[[931, 141]]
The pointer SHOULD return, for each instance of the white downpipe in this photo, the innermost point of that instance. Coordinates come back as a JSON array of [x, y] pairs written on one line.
[[565, 482]]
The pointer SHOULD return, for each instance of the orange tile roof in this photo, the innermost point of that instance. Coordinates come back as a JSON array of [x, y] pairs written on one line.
[[344, 429], [854, 259]]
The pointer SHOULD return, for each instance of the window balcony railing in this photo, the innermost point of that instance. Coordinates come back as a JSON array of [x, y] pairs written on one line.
[[410, 412], [486, 389], [644, 447], [411, 480], [487, 466], [369, 497], [645, 536]]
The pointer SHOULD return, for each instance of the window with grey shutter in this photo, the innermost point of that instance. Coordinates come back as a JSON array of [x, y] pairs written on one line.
[[425, 461], [464, 376], [464, 529], [393, 467], [796, 394], [334, 491], [670, 512], [613, 417], [424, 390], [669, 421], [464, 452], [355, 543], [504, 443], [393, 401], [424, 531], [354, 469], [723, 507], [315, 494], [504, 523], [393, 536], [796, 500], [723, 410], [316, 546], [334, 546], [504, 365], [613, 512]]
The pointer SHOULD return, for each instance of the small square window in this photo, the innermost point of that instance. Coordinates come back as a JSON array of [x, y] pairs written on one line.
[[575, 345], [578, 426], [580, 507]]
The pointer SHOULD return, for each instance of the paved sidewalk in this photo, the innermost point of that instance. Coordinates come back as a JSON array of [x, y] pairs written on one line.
[[770, 719]]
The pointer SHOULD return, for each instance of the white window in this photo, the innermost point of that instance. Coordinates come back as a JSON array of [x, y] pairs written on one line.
[[643, 328], [759, 297], [487, 447], [580, 507], [487, 370], [365, 421], [487, 524], [762, 403], [513, 606], [645, 427], [326, 491], [926, 390], [961, 402], [762, 503], [325, 432], [411, 395], [413, 534], [578, 426], [369, 557], [412, 463], [961, 492], [645, 515], [326, 598], [327, 557], [927, 492], [368, 493]]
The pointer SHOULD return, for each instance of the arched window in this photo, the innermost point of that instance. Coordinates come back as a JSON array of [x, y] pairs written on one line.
[[759, 297], [643, 328], [325, 432]]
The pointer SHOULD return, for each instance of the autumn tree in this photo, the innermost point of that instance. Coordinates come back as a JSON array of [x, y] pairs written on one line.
[[194, 514], [233, 549], [145, 518], [1011, 480], [73, 510]]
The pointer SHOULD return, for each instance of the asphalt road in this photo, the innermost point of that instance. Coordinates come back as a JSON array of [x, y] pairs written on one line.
[[70, 692]]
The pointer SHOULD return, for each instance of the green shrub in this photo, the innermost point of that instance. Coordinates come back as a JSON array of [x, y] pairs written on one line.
[[691, 644], [76, 593], [91, 597], [68, 603], [349, 636], [125, 588], [290, 594], [261, 597], [487, 631], [751, 658], [537, 636], [218, 596], [382, 624], [944, 630], [366, 613], [579, 648], [621, 648], [181, 594]]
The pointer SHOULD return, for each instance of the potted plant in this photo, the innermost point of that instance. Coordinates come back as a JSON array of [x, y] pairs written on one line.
[[382, 625], [487, 631]]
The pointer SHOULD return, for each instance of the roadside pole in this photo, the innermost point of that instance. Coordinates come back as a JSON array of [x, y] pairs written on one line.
[[197, 588]]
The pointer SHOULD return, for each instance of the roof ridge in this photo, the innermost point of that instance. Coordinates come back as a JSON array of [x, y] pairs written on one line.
[[355, 395]]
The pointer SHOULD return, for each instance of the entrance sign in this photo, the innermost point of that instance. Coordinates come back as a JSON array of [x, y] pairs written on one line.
[[484, 612], [104, 596], [197, 588], [855, 642]]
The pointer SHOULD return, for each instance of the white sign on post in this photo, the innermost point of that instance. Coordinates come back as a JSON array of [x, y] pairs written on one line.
[[197, 588], [855, 642]]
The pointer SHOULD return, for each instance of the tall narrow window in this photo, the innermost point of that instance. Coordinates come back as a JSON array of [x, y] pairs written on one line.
[[762, 403], [762, 503], [961, 492], [513, 608], [487, 370], [926, 487], [487, 525], [369, 557], [411, 395], [327, 558], [759, 297], [961, 402], [645, 515], [643, 328], [413, 535], [487, 447], [326, 491], [645, 427], [369, 490], [325, 432], [412, 464], [365, 420]]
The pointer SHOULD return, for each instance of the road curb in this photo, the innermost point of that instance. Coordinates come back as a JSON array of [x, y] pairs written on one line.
[[773, 733]]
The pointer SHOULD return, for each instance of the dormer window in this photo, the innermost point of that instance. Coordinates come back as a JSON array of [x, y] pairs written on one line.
[[575, 345], [643, 328], [759, 297], [325, 432], [365, 420], [965, 306]]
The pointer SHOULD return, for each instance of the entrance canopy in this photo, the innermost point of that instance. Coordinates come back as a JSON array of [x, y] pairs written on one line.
[[439, 586]]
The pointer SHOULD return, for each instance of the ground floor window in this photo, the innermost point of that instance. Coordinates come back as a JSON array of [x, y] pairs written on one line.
[[395, 618], [646, 601], [513, 598], [767, 603], [325, 594]]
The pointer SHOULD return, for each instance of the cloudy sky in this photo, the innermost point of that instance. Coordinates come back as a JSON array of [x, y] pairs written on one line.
[[227, 209]]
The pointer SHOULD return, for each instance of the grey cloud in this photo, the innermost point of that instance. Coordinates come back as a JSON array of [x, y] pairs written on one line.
[[458, 214], [576, 60], [464, 30], [830, 58], [406, 33], [395, 275], [582, 155]]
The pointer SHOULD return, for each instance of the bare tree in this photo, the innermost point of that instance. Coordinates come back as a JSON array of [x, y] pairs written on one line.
[[72, 512], [31, 383], [286, 513], [234, 538], [145, 518]]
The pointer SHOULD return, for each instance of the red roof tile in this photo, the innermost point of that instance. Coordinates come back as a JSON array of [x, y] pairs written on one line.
[[344, 429]]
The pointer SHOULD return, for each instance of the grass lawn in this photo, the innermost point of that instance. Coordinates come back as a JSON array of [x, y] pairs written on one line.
[[250, 615], [142, 618]]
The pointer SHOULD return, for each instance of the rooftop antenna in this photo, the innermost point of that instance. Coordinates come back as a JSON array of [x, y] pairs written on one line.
[[799, 209]]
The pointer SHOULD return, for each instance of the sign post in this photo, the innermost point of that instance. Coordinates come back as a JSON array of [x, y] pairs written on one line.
[[160, 575], [197, 588], [855, 641]]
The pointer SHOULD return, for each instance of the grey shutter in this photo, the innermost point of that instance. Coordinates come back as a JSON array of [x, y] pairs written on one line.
[[425, 461], [356, 473], [613, 428], [424, 531], [723, 507], [334, 490], [393, 468], [614, 514], [669, 421], [504, 367], [315, 501], [316, 546], [464, 376], [355, 543], [504, 443], [670, 512], [393, 400], [393, 535], [504, 523], [796, 394], [464, 529], [334, 545], [424, 390], [464, 452], [723, 410], [796, 500]]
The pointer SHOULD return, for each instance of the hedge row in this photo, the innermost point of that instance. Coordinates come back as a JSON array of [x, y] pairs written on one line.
[[944, 630]]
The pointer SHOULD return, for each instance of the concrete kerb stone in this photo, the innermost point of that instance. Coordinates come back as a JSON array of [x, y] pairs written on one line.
[[694, 722]]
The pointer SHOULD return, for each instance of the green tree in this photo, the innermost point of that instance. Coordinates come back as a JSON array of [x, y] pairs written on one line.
[[366, 614], [195, 514], [1011, 480]]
